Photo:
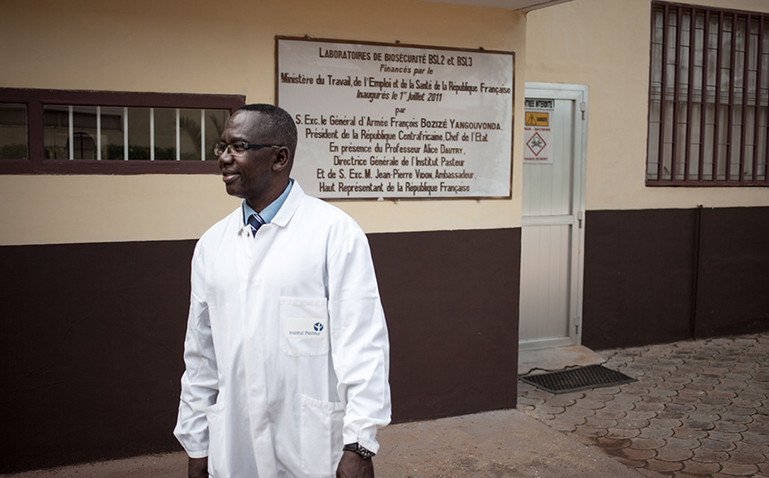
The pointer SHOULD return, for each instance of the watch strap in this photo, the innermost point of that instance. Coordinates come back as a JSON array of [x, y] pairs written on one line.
[[360, 450]]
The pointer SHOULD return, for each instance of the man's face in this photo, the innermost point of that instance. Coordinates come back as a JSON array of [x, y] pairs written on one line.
[[250, 174]]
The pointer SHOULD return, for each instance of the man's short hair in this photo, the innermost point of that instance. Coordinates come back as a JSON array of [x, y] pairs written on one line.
[[279, 122]]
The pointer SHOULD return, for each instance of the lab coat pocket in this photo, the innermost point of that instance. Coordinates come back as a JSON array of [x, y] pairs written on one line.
[[217, 461], [303, 326], [321, 441]]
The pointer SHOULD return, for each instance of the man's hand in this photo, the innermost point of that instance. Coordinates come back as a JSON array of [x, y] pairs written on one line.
[[353, 465], [198, 468]]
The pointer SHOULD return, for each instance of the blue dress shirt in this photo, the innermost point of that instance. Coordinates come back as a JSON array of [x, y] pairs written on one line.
[[268, 213]]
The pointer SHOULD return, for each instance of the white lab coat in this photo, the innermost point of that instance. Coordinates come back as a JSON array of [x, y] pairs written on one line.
[[286, 352]]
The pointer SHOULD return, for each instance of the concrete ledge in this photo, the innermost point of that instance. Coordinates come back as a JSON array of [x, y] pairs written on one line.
[[553, 359]]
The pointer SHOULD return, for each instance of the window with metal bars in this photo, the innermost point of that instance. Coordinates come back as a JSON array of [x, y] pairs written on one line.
[[74, 132], [708, 96]]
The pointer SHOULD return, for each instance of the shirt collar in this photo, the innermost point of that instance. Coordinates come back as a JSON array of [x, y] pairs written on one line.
[[268, 213]]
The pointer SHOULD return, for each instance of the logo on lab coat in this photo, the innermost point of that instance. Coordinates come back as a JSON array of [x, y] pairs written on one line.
[[304, 327], [315, 329]]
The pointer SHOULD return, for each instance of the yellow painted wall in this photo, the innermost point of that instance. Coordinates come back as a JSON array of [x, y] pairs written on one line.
[[225, 46], [605, 44]]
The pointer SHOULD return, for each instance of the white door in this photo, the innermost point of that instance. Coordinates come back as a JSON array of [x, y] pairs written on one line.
[[553, 212]]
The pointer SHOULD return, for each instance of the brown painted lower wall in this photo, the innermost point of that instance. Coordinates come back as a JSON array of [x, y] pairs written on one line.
[[91, 338], [639, 268], [91, 343], [451, 300], [733, 274], [646, 281]]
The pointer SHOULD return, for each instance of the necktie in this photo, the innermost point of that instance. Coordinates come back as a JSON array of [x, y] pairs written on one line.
[[255, 221]]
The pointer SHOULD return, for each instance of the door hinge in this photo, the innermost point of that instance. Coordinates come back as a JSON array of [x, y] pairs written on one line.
[[577, 323], [580, 216], [583, 109]]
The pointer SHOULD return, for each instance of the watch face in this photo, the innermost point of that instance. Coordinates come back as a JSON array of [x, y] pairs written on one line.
[[364, 452]]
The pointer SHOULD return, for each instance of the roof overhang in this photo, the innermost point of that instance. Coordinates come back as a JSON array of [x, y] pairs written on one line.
[[519, 5]]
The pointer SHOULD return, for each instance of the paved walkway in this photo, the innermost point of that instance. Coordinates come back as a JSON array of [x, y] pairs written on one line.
[[699, 408], [499, 444]]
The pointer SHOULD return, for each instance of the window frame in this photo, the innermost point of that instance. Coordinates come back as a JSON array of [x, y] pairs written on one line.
[[731, 179], [34, 99]]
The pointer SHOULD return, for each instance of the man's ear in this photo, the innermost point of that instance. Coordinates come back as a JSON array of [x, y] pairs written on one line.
[[282, 159]]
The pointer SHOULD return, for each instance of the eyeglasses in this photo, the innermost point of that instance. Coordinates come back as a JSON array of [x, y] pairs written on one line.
[[239, 147]]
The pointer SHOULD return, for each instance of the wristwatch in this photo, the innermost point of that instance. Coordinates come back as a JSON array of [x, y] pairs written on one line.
[[359, 449]]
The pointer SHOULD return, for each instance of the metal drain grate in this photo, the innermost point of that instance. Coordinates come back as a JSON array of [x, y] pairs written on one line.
[[579, 378]]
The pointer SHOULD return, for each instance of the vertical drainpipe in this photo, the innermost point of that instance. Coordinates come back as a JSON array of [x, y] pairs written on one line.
[[695, 281]]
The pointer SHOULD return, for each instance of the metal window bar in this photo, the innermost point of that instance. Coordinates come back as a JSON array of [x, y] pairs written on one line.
[[765, 157], [71, 131], [178, 136], [730, 105], [125, 134], [704, 88], [98, 133], [676, 91], [689, 93], [746, 156], [717, 99], [152, 134], [663, 93], [202, 134], [757, 110], [745, 75], [766, 132]]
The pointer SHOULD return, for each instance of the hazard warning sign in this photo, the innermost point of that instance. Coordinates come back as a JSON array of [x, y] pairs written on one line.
[[537, 118], [536, 145]]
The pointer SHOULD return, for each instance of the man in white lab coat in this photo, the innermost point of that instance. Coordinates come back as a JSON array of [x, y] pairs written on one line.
[[286, 351]]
